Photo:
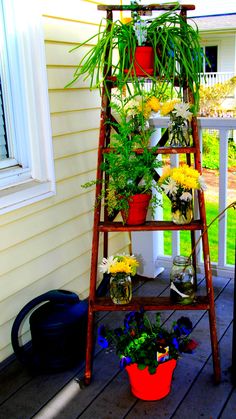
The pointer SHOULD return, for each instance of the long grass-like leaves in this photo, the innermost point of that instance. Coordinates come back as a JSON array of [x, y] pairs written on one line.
[[177, 54]]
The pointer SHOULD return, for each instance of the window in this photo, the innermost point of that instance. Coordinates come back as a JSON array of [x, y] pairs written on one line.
[[3, 136], [210, 64], [26, 158]]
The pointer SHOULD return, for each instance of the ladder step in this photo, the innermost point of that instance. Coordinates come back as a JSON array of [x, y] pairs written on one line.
[[149, 226], [148, 304], [160, 150]]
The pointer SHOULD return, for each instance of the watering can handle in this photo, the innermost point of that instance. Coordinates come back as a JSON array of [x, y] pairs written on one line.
[[55, 296]]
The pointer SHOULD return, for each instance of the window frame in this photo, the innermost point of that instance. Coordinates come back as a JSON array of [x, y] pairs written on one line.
[[30, 175]]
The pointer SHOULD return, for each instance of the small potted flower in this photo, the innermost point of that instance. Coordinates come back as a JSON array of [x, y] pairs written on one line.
[[120, 268], [180, 117], [178, 183], [148, 351]]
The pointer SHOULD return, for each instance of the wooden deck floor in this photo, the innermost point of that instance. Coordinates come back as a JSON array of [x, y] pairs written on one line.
[[193, 395]]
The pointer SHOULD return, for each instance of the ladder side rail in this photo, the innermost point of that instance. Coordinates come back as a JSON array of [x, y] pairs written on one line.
[[207, 262], [103, 138]]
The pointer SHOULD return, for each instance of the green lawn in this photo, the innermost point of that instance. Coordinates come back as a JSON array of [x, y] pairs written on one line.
[[185, 243]]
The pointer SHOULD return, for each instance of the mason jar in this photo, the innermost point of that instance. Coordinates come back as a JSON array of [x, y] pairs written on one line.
[[178, 133], [182, 290], [120, 288]]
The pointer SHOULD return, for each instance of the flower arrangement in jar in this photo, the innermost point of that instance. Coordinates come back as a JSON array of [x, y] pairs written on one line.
[[180, 117], [120, 268], [178, 183]]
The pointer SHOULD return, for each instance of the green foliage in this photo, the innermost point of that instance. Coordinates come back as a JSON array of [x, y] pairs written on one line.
[[147, 343], [185, 242], [130, 162], [210, 158], [130, 171]]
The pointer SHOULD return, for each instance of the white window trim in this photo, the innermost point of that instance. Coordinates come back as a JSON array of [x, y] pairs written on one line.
[[26, 81]]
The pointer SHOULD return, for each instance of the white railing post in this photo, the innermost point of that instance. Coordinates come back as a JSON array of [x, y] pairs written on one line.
[[210, 79], [148, 245], [223, 155]]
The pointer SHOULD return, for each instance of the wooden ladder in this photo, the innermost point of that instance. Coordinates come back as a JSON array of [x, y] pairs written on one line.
[[147, 303]]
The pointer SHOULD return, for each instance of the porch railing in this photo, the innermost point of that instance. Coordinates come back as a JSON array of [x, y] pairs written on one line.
[[209, 79], [153, 249]]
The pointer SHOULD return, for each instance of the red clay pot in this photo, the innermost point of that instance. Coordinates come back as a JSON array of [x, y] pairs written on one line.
[[148, 386], [138, 207]]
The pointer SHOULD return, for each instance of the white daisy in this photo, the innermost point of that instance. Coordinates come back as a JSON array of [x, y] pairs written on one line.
[[182, 109], [105, 265], [170, 187]]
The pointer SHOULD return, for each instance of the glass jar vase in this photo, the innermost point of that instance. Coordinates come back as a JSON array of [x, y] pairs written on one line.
[[121, 288], [182, 290], [181, 211], [178, 133]]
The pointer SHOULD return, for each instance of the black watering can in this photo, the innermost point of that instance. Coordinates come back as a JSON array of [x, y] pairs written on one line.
[[58, 331]]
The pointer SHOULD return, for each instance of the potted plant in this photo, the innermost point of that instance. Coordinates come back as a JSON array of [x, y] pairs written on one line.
[[175, 45], [178, 183], [148, 351], [129, 162], [120, 268]]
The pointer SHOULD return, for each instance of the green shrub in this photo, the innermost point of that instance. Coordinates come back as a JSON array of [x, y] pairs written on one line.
[[210, 158]]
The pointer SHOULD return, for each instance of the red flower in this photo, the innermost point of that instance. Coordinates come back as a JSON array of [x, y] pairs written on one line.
[[189, 346]]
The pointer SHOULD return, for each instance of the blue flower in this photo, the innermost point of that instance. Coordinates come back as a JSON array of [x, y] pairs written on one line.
[[129, 318], [125, 360], [175, 343], [102, 340], [183, 327]]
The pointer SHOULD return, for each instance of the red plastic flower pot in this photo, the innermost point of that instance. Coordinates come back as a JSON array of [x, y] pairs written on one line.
[[138, 207], [143, 61], [146, 386]]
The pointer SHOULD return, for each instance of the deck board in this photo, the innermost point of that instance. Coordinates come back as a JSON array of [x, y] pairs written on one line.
[[45, 396]]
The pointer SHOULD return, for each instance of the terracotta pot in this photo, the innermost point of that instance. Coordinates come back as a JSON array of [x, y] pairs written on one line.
[[148, 386], [143, 61], [137, 212]]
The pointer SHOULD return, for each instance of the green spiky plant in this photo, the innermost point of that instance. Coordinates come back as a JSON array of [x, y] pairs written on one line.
[[176, 46]]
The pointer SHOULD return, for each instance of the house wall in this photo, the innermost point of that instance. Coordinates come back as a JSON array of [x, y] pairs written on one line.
[[226, 49], [47, 245]]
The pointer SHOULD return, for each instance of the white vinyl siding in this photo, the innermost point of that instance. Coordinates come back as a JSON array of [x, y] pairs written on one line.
[[47, 245]]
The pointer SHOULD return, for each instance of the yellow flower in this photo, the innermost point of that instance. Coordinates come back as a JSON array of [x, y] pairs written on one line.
[[168, 106], [119, 264], [154, 103], [178, 177], [120, 267], [147, 110], [126, 20], [185, 177]]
